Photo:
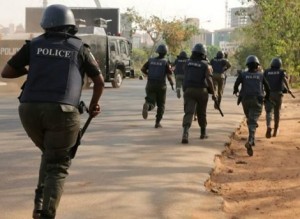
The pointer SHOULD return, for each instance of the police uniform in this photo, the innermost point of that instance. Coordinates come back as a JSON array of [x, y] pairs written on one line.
[[252, 96], [179, 72], [49, 100], [157, 69], [195, 92], [197, 84], [219, 65], [275, 78]]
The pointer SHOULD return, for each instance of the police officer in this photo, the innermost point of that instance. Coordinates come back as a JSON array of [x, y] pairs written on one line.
[[252, 96], [197, 83], [220, 65], [276, 78], [49, 101], [157, 69], [179, 71]]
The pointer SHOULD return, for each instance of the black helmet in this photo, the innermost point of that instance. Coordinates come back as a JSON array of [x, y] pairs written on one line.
[[252, 59], [57, 16], [162, 49], [276, 63], [199, 48], [183, 54], [220, 55]]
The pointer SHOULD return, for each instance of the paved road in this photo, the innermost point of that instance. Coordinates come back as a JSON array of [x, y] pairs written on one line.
[[125, 167]]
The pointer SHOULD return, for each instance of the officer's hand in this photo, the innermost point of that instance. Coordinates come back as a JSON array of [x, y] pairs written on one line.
[[214, 97], [267, 97], [94, 110], [172, 86], [235, 92]]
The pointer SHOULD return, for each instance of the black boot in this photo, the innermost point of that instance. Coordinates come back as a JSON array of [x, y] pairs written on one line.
[[38, 203], [157, 123], [249, 145], [185, 135], [275, 133], [203, 133], [268, 132]]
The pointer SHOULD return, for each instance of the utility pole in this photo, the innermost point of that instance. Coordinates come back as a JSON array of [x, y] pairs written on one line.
[[226, 13], [97, 2], [45, 3]]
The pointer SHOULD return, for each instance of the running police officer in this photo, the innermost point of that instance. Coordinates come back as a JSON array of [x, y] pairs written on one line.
[[276, 78], [179, 71], [252, 96], [157, 69], [197, 82], [220, 65], [48, 110]]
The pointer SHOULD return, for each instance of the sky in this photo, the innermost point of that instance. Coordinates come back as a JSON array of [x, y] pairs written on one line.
[[210, 12]]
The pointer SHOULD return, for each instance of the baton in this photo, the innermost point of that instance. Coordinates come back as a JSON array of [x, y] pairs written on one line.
[[290, 92], [218, 108]]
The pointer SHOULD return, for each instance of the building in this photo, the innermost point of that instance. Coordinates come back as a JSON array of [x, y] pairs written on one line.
[[228, 47], [204, 37], [239, 16], [222, 35]]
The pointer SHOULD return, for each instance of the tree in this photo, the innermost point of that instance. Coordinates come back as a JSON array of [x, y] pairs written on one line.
[[274, 32], [174, 33], [139, 57], [212, 51]]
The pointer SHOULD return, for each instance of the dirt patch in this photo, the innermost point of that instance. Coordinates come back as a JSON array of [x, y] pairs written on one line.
[[266, 185]]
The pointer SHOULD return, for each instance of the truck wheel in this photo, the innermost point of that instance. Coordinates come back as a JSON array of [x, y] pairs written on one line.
[[118, 79]]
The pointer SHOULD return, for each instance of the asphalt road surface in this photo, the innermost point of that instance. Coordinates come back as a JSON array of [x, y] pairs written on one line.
[[125, 168]]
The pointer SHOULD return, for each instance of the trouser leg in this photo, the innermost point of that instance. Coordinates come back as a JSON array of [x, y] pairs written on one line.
[[277, 115], [161, 102], [189, 109], [185, 135], [179, 82], [39, 191], [56, 173]]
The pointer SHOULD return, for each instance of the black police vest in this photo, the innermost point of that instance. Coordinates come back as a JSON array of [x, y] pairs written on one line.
[[195, 74], [252, 84], [218, 65], [54, 74], [157, 70], [179, 66], [275, 79]]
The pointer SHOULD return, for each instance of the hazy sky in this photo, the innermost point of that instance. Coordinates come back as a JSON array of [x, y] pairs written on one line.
[[13, 11]]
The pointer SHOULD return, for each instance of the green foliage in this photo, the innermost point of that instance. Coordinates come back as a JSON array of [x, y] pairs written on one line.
[[275, 32], [175, 33], [212, 51], [139, 57]]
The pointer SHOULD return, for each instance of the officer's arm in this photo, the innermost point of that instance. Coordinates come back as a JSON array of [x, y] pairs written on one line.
[[228, 65], [98, 88], [285, 81], [145, 67], [266, 88], [94, 73], [209, 80], [15, 67], [10, 72], [237, 84]]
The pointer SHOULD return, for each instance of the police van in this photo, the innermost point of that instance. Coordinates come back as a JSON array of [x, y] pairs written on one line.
[[113, 53]]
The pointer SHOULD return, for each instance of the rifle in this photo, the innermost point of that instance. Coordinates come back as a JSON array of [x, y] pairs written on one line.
[[218, 107], [82, 130], [291, 93]]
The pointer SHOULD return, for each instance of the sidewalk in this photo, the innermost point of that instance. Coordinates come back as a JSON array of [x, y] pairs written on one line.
[[266, 185]]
